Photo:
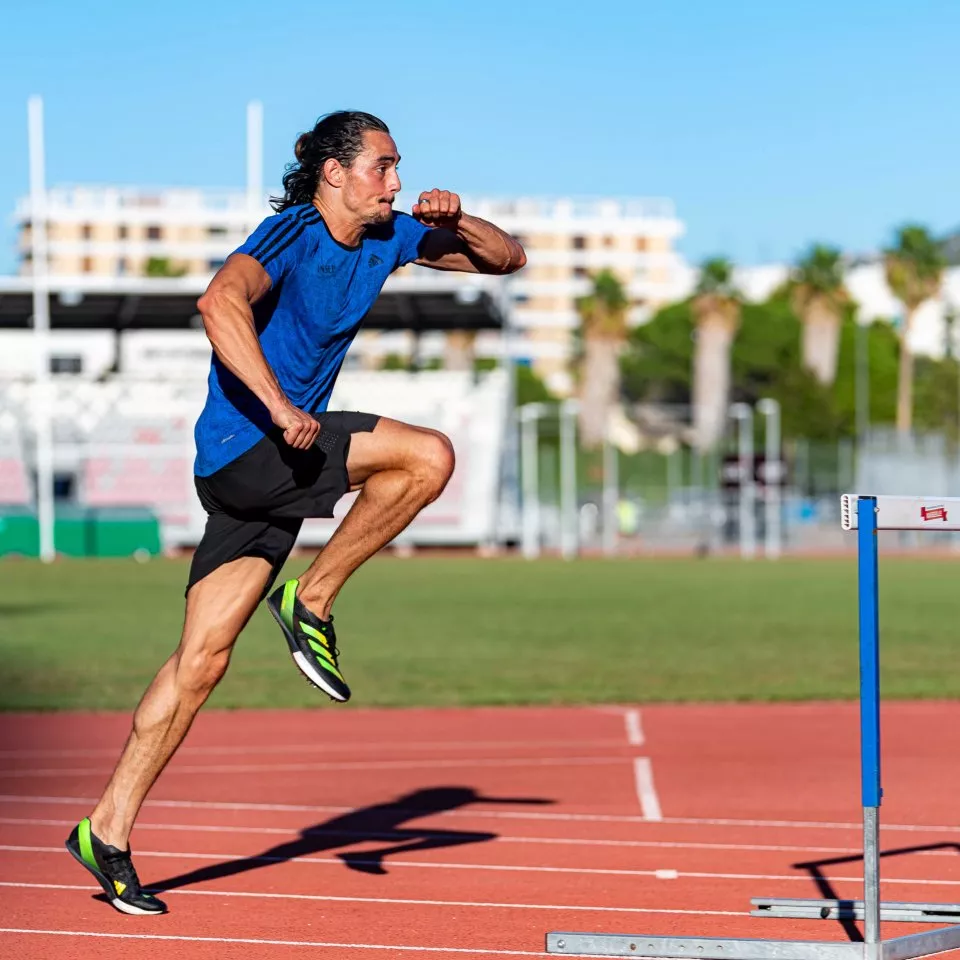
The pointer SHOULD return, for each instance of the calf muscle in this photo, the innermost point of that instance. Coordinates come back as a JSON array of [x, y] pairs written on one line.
[[218, 608]]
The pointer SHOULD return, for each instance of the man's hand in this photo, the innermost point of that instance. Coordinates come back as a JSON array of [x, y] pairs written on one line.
[[438, 208], [299, 428]]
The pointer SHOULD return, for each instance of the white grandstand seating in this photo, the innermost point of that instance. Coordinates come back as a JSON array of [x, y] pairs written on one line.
[[14, 482], [472, 414], [130, 443]]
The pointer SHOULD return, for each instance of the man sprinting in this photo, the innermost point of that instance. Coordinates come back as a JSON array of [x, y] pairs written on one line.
[[280, 316]]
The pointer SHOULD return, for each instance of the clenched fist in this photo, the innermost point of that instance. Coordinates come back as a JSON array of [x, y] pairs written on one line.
[[299, 428], [438, 208]]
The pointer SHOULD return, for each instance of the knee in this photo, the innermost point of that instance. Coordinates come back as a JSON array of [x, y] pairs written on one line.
[[200, 669], [435, 463]]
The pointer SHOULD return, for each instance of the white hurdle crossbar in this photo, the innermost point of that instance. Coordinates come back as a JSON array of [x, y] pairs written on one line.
[[866, 515]]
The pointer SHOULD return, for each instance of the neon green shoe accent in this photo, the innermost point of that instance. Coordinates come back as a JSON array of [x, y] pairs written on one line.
[[86, 844], [334, 671], [316, 634], [325, 660], [321, 651], [286, 604]]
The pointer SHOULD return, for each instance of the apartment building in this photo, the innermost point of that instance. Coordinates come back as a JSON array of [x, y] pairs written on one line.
[[111, 231]]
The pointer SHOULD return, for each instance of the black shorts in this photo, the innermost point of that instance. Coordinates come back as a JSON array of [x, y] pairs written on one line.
[[256, 503]]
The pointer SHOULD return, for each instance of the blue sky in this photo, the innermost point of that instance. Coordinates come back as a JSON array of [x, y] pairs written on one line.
[[770, 124]]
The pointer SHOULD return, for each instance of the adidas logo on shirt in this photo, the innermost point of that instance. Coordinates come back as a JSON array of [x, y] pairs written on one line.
[[374, 261]]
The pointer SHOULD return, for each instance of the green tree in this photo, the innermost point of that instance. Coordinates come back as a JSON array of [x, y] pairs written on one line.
[[657, 365], [163, 267], [766, 361], [818, 296], [914, 267], [603, 329], [530, 387]]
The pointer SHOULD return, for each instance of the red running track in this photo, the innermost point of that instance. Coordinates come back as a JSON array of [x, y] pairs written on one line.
[[470, 833]]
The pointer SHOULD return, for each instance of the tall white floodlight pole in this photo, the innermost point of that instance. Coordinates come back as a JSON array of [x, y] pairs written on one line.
[[773, 476], [568, 479], [743, 414], [530, 414], [509, 489], [254, 162], [41, 328], [611, 493]]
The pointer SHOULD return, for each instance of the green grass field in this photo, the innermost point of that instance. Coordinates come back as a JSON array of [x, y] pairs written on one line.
[[90, 634]]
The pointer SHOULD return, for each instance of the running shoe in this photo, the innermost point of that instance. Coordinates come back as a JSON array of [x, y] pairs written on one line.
[[312, 642], [114, 870]]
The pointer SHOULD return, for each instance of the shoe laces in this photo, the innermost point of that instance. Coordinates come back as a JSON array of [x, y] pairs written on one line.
[[122, 869]]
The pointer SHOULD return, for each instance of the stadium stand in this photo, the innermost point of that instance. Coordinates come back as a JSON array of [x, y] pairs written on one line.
[[14, 481], [128, 442]]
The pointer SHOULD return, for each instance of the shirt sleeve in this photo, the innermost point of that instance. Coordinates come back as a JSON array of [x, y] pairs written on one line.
[[276, 245], [409, 234]]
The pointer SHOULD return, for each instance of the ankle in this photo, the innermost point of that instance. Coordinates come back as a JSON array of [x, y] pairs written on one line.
[[110, 830], [315, 598]]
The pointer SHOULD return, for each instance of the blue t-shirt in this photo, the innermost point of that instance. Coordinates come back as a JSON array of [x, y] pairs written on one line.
[[321, 292]]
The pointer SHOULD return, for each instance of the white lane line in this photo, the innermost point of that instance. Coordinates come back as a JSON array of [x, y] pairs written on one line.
[[416, 864], [269, 943], [631, 720], [294, 833], [391, 900], [425, 764], [481, 814], [642, 768], [501, 867], [646, 791], [340, 746]]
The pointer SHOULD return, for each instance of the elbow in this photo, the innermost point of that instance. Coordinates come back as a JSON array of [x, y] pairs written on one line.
[[208, 306], [516, 260], [209, 302]]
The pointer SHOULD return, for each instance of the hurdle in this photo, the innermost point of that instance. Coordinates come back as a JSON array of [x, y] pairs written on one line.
[[866, 515]]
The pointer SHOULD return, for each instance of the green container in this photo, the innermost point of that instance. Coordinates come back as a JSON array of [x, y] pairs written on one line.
[[124, 532], [19, 533], [82, 532], [71, 534]]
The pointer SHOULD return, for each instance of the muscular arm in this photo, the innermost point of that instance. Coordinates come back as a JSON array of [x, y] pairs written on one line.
[[227, 311], [463, 242]]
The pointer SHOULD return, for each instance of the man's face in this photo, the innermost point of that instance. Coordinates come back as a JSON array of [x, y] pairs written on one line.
[[371, 182]]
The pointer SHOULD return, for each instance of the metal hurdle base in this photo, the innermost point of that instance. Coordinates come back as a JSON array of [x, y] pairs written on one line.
[[854, 910], [866, 515], [620, 945]]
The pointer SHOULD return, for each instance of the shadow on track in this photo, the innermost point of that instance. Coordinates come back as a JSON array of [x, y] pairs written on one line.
[[380, 823], [816, 867]]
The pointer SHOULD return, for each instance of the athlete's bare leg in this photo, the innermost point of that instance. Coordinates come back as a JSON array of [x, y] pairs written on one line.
[[218, 608], [399, 469]]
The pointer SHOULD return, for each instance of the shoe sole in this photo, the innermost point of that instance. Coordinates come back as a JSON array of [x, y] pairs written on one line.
[[302, 663], [112, 898]]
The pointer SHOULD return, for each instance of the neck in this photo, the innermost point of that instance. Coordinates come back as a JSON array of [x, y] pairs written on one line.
[[343, 227]]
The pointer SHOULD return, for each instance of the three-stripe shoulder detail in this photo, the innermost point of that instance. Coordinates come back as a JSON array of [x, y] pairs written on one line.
[[283, 233]]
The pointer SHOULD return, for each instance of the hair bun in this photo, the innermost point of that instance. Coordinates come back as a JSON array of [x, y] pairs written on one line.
[[303, 143]]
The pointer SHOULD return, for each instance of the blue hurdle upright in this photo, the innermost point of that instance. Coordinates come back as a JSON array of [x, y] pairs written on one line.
[[866, 515]]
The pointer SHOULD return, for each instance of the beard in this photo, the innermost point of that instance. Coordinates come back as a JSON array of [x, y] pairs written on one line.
[[383, 214]]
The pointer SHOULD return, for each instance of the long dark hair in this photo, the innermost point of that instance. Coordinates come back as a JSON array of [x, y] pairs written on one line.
[[336, 136]]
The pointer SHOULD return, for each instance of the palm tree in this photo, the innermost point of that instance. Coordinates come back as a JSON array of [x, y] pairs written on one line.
[[603, 327], [914, 268], [818, 295], [716, 311]]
